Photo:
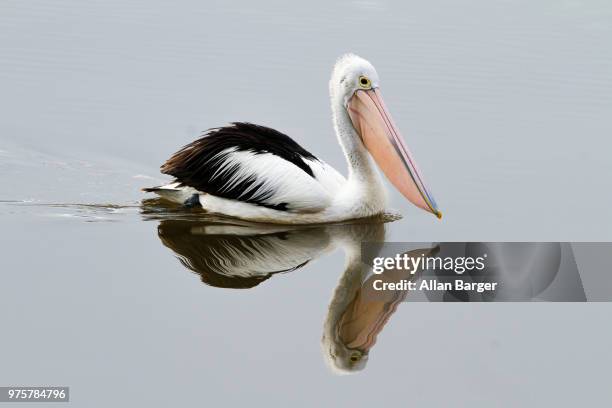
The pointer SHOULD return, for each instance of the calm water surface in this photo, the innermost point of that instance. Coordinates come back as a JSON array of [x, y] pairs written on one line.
[[506, 106]]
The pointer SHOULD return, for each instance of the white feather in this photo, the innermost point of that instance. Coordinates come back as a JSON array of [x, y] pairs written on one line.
[[285, 181], [329, 178]]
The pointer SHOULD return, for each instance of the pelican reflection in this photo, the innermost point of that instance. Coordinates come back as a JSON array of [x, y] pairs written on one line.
[[242, 255]]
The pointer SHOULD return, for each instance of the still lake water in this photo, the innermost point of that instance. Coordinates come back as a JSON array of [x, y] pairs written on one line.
[[505, 104]]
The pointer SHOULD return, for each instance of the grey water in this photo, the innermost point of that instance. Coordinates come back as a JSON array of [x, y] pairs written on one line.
[[506, 106]]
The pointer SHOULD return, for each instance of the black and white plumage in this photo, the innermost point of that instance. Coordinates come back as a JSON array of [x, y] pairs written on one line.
[[260, 174], [256, 165]]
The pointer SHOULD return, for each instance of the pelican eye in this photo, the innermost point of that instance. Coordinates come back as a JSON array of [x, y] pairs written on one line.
[[364, 82], [355, 357]]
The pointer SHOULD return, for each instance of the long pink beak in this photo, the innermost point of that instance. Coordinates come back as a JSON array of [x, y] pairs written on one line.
[[383, 140]]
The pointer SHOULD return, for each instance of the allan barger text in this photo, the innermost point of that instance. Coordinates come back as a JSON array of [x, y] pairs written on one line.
[[433, 285]]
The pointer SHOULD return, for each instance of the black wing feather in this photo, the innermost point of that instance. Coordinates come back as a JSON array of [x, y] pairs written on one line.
[[195, 165]]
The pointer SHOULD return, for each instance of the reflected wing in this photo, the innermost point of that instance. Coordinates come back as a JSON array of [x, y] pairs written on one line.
[[227, 256]]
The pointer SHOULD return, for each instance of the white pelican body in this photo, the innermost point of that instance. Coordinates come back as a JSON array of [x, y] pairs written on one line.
[[259, 174]]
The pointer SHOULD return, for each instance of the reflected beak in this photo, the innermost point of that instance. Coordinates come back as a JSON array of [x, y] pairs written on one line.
[[373, 123]]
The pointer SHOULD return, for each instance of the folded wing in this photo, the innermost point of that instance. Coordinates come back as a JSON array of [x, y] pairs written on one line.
[[257, 165]]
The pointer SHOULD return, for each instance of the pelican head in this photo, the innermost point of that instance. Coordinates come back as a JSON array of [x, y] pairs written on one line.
[[341, 360], [363, 121]]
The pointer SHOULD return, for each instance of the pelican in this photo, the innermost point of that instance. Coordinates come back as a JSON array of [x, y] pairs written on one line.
[[259, 174]]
